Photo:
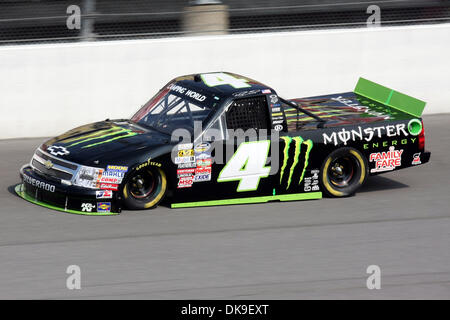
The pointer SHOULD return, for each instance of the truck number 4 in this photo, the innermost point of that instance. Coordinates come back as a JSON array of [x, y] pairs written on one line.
[[220, 78], [247, 165]]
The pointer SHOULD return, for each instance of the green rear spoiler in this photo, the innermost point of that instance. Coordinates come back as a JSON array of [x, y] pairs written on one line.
[[389, 97]]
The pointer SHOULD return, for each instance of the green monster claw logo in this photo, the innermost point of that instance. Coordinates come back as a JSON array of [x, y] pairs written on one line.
[[115, 133], [299, 142]]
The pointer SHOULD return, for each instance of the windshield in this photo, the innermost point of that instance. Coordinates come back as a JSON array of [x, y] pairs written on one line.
[[173, 108]]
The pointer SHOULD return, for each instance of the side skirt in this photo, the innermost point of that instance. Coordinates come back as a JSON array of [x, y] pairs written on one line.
[[283, 197]]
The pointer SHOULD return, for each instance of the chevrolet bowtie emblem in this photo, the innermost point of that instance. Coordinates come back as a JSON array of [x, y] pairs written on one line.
[[48, 164]]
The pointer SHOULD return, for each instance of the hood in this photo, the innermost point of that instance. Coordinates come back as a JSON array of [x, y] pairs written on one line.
[[107, 142]]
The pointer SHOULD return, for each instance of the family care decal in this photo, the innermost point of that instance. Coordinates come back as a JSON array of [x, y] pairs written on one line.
[[386, 161]]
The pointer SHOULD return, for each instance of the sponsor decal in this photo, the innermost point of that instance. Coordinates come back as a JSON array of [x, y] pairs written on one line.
[[204, 163], [57, 151], [185, 153], [185, 146], [266, 91], [148, 163], [203, 156], [203, 170], [367, 134], [103, 194], [416, 159], [386, 161], [276, 109], [87, 207], [106, 179], [350, 103], [202, 147], [104, 207], [202, 177], [277, 121], [185, 172], [187, 92], [100, 137], [39, 184], [185, 182], [187, 165], [273, 98], [179, 160], [299, 144], [246, 93], [278, 127], [388, 143], [108, 186], [117, 168], [277, 118], [312, 183]]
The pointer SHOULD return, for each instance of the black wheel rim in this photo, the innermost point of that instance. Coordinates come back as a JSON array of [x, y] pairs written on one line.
[[142, 185], [342, 171]]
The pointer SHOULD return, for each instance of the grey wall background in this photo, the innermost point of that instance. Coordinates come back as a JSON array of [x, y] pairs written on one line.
[[31, 21]]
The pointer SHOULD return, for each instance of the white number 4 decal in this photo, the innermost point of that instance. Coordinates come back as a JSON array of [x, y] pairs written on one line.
[[217, 79], [247, 165]]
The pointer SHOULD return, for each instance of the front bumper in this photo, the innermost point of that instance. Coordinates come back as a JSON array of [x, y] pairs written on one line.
[[42, 191]]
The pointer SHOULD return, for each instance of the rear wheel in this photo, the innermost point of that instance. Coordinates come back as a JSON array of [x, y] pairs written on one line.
[[343, 172], [145, 189]]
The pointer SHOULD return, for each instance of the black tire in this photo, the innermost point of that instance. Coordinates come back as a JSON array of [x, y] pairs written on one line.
[[343, 172], [145, 189]]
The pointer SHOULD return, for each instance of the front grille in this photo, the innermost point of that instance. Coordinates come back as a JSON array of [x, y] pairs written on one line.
[[50, 172], [53, 167], [57, 161]]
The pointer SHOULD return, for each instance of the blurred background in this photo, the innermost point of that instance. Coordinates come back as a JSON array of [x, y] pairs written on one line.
[[41, 21]]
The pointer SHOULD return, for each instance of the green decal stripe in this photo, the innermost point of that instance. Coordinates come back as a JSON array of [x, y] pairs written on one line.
[[287, 142], [284, 197], [389, 97], [99, 135], [25, 196], [129, 134], [87, 136], [298, 146], [309, 145]]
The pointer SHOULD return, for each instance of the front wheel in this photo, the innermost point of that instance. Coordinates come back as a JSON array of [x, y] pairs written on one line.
[[145, 189], [343, 172]]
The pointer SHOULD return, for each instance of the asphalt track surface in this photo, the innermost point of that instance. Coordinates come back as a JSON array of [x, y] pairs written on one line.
[[293, 250]]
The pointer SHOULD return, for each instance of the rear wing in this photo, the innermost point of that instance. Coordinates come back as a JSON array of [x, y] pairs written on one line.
[[389, 97]]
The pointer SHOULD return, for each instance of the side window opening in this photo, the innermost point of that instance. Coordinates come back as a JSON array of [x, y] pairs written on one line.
[[248, 113]]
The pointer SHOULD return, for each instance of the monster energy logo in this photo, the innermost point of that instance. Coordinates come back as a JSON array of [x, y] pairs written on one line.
[[100, 137], [299, 142]]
